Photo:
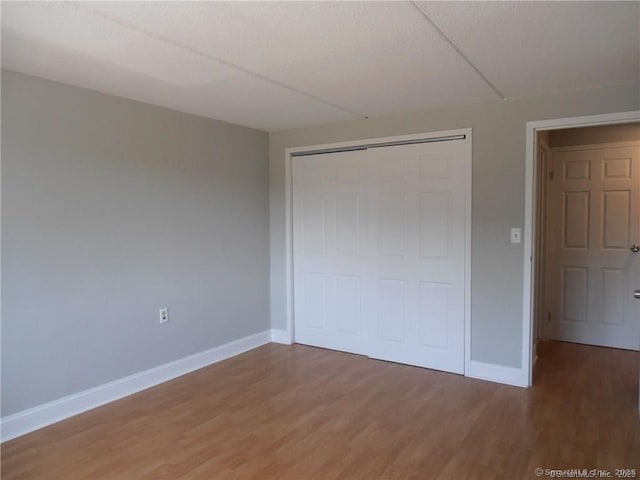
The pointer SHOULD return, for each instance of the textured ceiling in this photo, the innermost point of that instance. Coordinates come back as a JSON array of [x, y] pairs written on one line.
[[275, 65]]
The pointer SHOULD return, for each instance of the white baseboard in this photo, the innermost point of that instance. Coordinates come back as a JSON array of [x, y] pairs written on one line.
[[497, 373], [32, 419], [280, 336]]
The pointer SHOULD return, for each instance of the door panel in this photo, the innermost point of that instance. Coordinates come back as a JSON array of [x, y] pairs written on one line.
[[391, 215], [348, 303], [613, 287], [313, 222], [576, 220], [329, 265], [434, 224], [592, 271], [348, 224], [615, 219], [574, 294]]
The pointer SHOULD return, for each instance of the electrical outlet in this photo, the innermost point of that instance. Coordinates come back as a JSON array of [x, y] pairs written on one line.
[[164, 315], [515, 235]]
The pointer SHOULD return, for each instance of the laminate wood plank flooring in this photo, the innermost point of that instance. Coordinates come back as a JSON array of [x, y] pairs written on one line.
[[297, 412]]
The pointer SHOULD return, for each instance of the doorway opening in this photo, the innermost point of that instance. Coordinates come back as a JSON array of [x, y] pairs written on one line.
[[582, 221]]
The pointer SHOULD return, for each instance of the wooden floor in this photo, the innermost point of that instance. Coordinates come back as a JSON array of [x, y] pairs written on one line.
[[302, 413]]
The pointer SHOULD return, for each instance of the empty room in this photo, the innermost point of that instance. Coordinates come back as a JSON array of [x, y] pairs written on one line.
[[315, 240]]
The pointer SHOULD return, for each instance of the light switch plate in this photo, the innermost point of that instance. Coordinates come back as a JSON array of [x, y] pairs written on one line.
[[516, 234]]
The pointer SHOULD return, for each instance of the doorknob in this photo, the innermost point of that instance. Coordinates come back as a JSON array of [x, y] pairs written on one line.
[[635, 248], [636, 294]]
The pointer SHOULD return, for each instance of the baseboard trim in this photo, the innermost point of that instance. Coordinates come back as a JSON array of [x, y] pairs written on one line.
[[280, 336], [496, 373], [38, 417]]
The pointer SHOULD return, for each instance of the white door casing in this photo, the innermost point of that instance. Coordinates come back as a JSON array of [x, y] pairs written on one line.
[[381, 252], [532, 129], [594, 220]]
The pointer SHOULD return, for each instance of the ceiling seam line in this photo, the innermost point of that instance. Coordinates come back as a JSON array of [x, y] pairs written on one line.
[[188, 48], [458, 51]]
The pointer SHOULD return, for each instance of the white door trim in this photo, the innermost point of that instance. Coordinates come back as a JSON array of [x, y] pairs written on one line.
[[289, 332], [531, 131]]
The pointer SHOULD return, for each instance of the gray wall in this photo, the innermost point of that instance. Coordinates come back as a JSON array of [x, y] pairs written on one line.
[[498, 199], [112, 209]]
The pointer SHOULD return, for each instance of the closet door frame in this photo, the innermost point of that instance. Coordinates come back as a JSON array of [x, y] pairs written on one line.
[[288, 335]]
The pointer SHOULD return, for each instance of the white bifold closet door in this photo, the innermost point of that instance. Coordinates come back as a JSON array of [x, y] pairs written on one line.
[[379, 252]]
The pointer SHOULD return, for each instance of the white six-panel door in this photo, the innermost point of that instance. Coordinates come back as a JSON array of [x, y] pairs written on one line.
[[417, 205], [595, 219], [379, 252]]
